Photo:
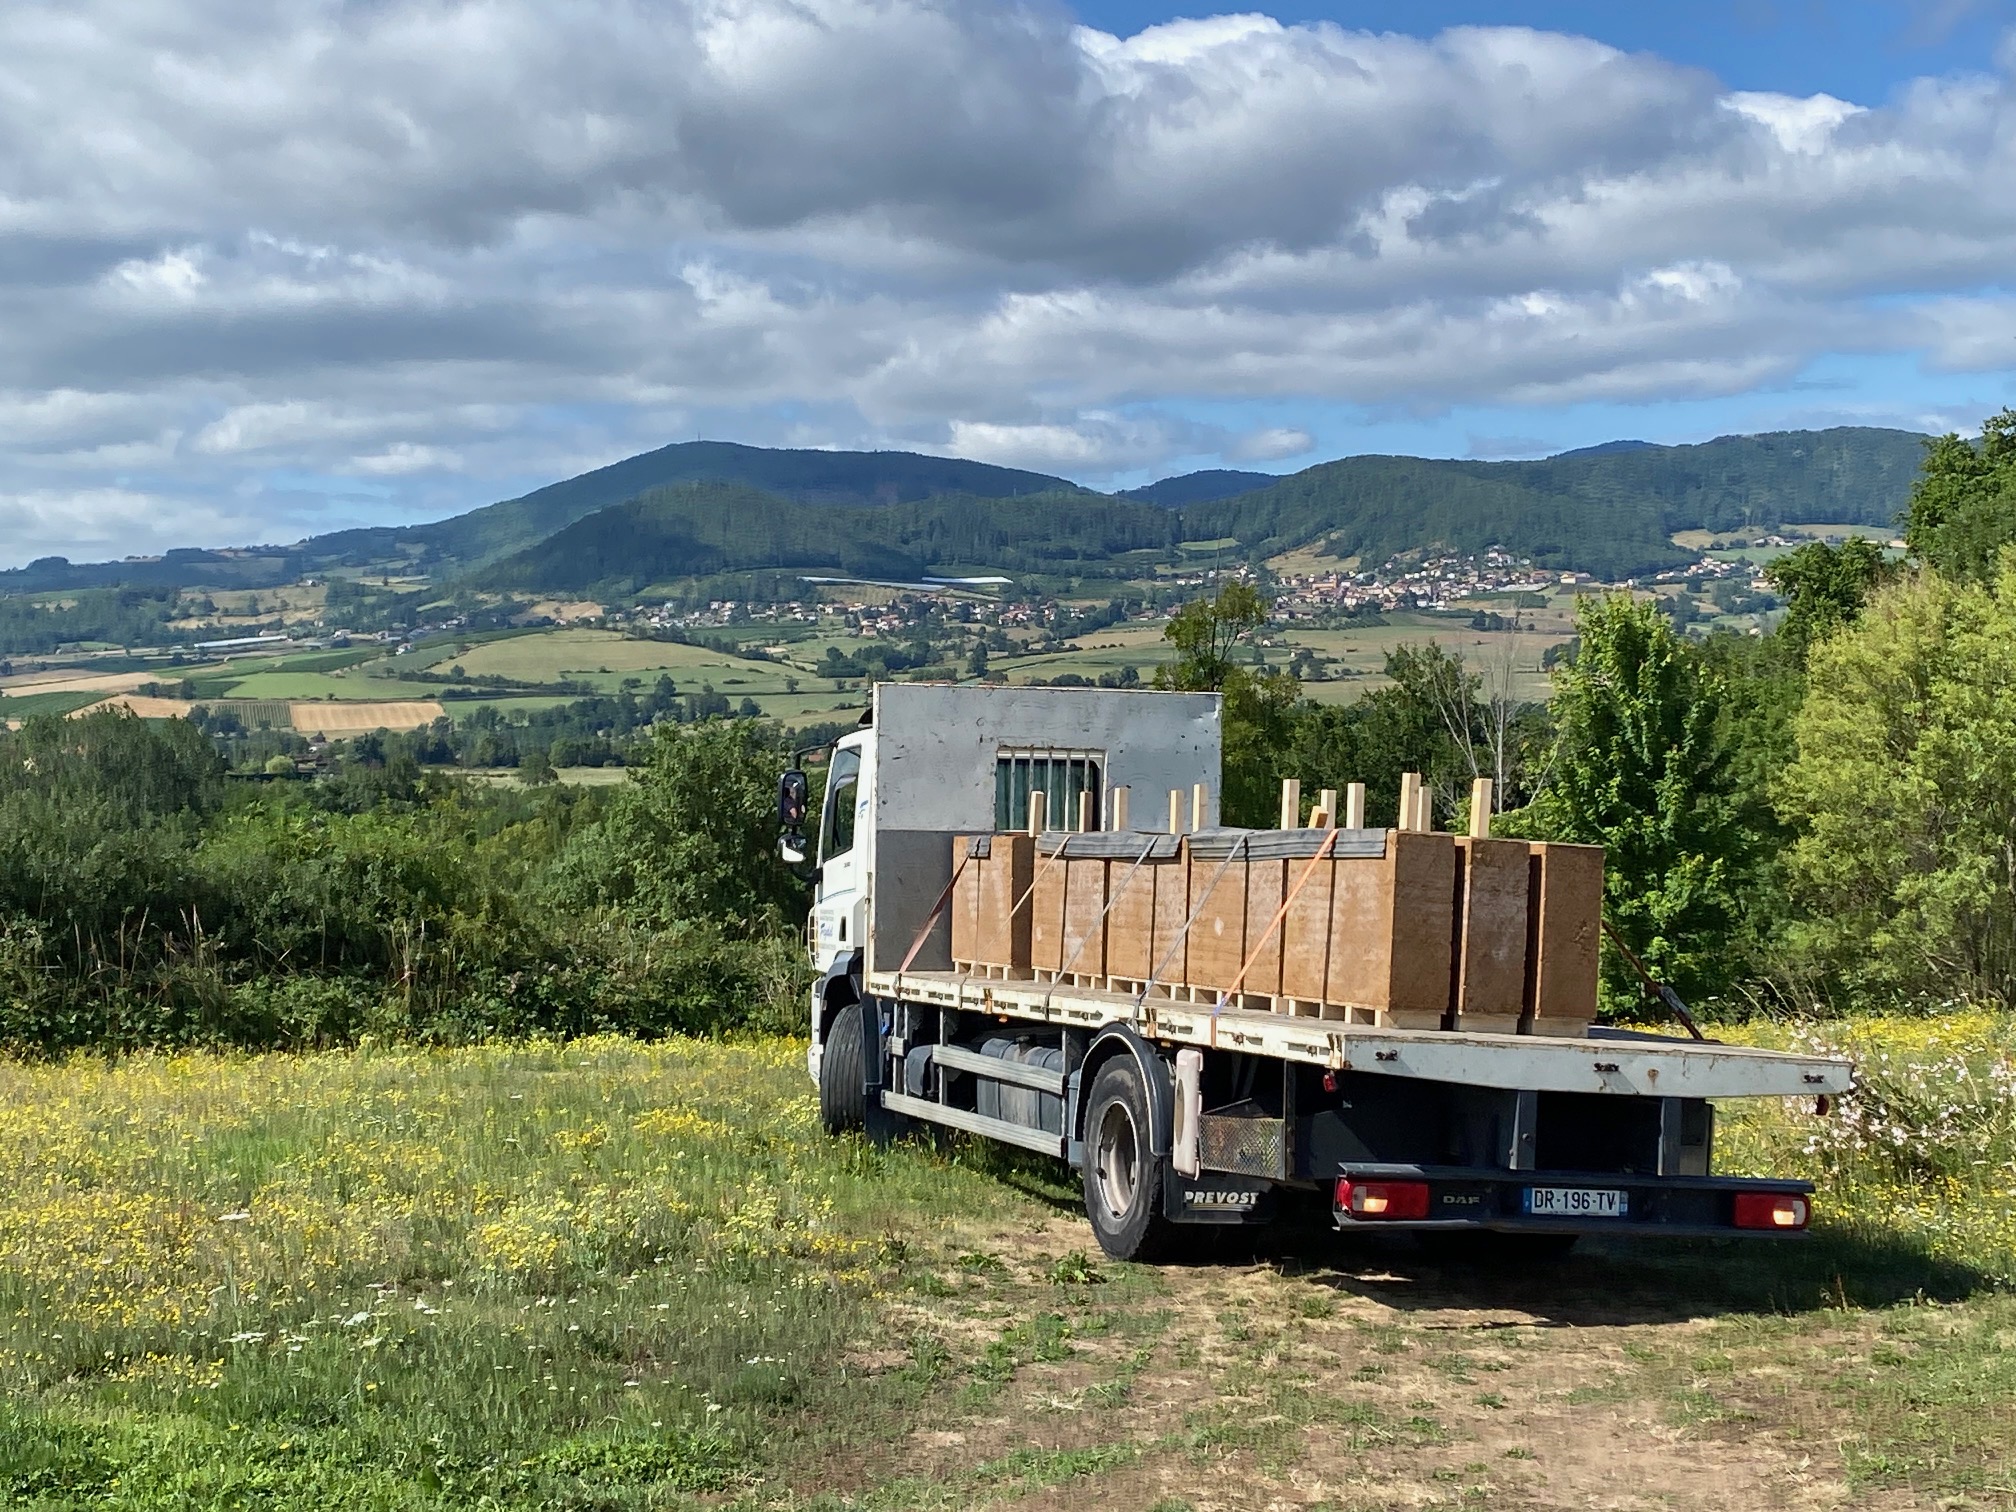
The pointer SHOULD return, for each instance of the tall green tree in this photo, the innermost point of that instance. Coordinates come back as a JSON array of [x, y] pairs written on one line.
[[1640, 766], [1825, 588], [1259, 713], [693, 836], [1963, 507], [1904, 789]]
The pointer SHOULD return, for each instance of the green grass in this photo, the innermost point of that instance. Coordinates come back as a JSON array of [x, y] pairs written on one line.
[[28, 704], [611, 1275], [528, 1275], [359, 685], [605, 658]]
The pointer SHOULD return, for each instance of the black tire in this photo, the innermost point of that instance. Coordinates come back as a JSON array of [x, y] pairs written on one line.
[[1123, 1177], [843, 1095]]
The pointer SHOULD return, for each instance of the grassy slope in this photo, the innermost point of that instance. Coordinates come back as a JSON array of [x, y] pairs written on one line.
[[611, 1275]]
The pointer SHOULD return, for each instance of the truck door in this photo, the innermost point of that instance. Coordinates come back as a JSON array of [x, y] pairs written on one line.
[[839, 909]]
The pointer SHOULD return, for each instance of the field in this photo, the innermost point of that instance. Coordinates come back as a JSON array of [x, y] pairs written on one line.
[[24, 705], [339, 719], [613, 1275], [605, 658]]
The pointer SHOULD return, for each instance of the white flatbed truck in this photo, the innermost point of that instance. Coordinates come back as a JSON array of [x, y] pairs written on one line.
[[1181, 1113]]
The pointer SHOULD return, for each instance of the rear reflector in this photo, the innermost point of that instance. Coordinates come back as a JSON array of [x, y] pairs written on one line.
[[1382, 1199], [1771, 1210]]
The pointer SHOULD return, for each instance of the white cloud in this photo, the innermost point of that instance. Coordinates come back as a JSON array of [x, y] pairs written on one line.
[[1273, 444], [439, 247]]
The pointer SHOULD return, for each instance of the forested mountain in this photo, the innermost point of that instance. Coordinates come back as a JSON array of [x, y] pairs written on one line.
[[697, 529], [1608, 510], [805, 477], [1200, 487]]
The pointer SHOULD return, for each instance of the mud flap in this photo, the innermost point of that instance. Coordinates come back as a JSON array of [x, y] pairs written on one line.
[[1215, 1197]]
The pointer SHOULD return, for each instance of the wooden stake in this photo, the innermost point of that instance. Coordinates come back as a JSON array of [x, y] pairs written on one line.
[[1319, 817], [1116, 808], [1084, 811], [1410, 800], [1326, 801], [1200, 805], [1291, 803], [1354, 806], [1480, 809], [1175, 811], [1038, 803], [1424, 813]]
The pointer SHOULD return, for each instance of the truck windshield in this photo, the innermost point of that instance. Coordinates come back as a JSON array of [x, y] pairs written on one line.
[[842, 779]]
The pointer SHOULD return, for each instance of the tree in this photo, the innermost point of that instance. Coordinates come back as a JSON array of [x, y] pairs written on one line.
[[1825, 588], [1963, 506], [694, 836], [1905, 789], [1205, 633], [1640, 767], [1259, 704]]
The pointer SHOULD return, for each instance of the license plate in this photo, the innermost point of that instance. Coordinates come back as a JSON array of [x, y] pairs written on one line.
[[1576, 1202]]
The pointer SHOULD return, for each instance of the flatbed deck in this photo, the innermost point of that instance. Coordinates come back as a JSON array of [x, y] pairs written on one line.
[[1640, 1066]]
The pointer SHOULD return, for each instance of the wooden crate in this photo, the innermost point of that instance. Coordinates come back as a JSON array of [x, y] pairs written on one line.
[[1491, 917], [1085, 916], [1391, 931], [1266, 886], [1134, 893], [1170, 949], [1566, 926], [1217, 942], [1305, 932], [988, 928], [1046, 914]]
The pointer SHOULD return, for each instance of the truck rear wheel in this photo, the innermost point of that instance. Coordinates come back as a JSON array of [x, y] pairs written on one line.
[[1123, 1175], [843, 1094]]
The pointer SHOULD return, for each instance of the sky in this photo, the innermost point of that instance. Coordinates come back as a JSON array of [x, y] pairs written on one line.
[[275, 267]]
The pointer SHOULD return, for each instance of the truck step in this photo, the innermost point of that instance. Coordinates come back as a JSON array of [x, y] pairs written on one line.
[[952, 1058], [975, 1123]]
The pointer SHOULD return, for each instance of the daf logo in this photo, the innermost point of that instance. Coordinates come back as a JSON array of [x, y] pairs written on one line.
[[1221, 1199], [1460, 1199]]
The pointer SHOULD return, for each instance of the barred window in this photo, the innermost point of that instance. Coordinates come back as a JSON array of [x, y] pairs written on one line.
[[1061, 776]]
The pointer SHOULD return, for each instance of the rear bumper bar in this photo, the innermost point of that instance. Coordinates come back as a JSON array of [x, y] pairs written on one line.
[[1467, 1197]]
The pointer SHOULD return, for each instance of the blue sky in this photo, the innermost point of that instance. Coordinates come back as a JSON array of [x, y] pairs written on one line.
[[1862, 51], [273, 269], [1856, 49]]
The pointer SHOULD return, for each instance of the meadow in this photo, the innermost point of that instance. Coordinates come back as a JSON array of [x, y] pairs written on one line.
[[610, 1274], [604, 658]]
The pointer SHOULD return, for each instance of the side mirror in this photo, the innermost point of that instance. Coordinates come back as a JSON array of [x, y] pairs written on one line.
[[794, 794]]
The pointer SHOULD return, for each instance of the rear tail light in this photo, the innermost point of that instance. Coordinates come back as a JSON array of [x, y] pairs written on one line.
[[1382, 1199], [1771, 1210]]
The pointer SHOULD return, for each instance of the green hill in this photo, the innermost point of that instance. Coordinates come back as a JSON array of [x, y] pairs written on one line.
[[825, 478], [1200, 487], [697, 529], [1607, 510]]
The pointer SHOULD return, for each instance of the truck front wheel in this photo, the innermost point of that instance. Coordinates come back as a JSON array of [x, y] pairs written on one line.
[[1123, 1175], [843, 1087]]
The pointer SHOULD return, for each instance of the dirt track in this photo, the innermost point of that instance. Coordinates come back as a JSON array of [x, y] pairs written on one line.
[[1362, 1377]]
